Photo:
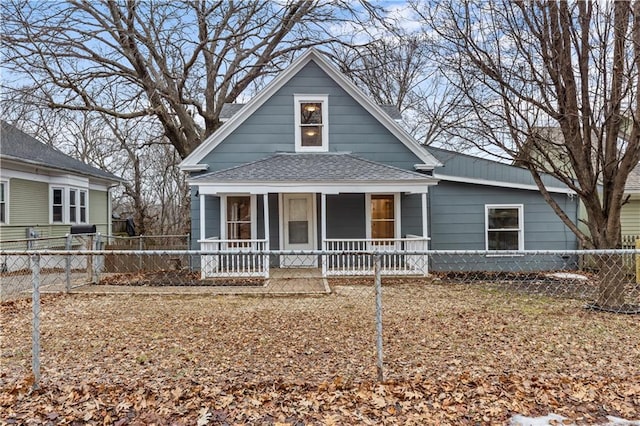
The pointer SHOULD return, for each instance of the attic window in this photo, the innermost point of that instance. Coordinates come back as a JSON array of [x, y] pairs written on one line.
[[311, 116]]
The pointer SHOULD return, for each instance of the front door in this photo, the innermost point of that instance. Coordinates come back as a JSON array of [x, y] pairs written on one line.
[[299, 230]]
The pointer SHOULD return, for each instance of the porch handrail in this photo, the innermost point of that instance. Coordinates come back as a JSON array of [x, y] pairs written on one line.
[[345, 255], [245, 258]]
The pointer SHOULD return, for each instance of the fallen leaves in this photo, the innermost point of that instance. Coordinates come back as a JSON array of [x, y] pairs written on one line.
[[453, 355]]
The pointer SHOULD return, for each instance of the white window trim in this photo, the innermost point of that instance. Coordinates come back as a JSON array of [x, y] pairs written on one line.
[[253, 205], [66, 205], [324, 100], [520, 208], [79, 206], [6, 202], [396, 212]]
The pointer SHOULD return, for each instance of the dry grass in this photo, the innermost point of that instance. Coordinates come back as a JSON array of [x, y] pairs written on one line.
[[454, 354]]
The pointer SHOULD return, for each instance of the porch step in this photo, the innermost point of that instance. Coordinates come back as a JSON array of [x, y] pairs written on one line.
[[302, 280]]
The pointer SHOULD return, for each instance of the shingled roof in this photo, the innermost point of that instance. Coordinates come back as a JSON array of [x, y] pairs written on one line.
[[312, 167], [19, 146]]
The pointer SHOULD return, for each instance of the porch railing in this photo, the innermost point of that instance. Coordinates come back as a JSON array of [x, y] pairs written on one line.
[[349, 256], [246, 258]]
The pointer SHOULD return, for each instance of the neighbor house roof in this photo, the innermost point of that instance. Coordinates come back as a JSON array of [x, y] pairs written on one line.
[[18, 146], [192, 162], [340, 171]]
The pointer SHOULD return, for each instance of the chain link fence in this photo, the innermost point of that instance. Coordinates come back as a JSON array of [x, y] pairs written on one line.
[[236, 314], [369, 282]]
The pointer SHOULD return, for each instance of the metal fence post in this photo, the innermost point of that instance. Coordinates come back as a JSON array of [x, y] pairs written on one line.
[[140, 247], [67, 246], [35, 347], [378, 279], [97, 245], [189, 248]]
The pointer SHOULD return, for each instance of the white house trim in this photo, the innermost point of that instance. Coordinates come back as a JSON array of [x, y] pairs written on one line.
[[462, 179], [310, 55], [316, 187]]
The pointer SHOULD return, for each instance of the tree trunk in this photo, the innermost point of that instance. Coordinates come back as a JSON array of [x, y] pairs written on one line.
[[611, 277]]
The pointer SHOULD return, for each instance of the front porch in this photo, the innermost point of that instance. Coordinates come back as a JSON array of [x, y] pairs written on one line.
[[339, 257], [330, 211]]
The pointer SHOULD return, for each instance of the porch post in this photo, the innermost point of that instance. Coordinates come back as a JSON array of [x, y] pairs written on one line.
[[323, 231], [202, 230], [265, 207], [425, 225], [425, 234]]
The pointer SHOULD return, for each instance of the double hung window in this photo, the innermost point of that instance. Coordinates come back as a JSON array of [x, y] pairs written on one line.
[[311, 117], [239, 217], [504, 227]]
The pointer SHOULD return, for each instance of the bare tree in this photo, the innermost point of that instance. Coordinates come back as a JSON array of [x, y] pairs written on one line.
[[396, 69], [575, 66], [175, 61]]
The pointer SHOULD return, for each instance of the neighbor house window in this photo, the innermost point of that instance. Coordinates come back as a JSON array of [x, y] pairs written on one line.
[[239, 218], [311, 116], [383, 221], [57, 205], [3, 202], [83, 206], [504, 227]]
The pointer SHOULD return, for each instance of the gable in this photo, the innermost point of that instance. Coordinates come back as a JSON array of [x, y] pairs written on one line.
[[271, 128], [266, 124]]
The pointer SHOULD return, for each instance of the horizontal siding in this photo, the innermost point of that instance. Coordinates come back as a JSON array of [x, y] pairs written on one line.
[[411, 222], [98, 208], [457, 213], [28, 202], [630, 217]]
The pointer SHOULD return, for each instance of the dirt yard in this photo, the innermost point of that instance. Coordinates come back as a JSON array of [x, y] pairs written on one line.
[[454, 354]]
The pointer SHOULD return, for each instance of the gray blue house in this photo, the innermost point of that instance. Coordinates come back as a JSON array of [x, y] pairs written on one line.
[[311, 163]]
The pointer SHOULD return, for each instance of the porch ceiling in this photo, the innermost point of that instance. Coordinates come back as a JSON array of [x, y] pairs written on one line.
[[313, 172]]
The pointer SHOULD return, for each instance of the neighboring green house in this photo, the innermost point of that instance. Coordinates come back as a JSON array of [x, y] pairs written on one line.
[[43, 192], [630, 215]]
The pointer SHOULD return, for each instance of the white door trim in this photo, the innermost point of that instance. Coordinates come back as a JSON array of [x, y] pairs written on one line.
[[297, 261]]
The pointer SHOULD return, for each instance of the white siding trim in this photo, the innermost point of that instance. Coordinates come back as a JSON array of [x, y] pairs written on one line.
[[316, 187], [487, 182]]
